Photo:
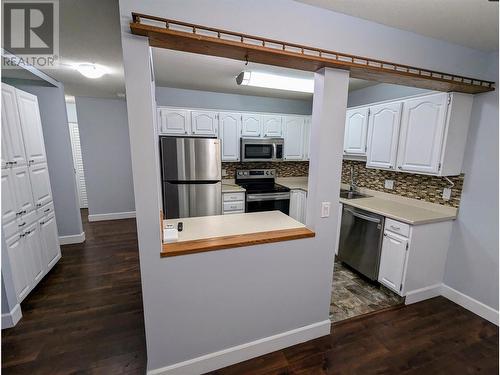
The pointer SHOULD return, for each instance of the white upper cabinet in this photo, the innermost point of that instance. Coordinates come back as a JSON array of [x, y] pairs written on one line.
[[12, 139], [22, 189], [40, 181], [383, 133], [355, 131], [204, 123], [173, 121], [229, 133], [422, 130], [307, 137], [9, 206], [294, 138], [31, 126], [251, 125], [392, 261], [272, 126]]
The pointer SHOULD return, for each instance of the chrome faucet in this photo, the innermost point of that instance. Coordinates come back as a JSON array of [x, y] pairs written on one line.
[[353, 186]]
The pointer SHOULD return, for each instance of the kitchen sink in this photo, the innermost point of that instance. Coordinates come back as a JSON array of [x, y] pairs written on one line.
[[346, 194]]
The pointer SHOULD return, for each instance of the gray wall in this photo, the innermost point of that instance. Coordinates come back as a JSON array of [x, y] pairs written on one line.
[[472, 264], [106, 154], [59, 157], [213, 100], [381, 92]]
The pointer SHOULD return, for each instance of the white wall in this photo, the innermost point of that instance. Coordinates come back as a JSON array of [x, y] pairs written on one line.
[[105, 143], [241, 285], [472, 264], [215, 100], [381, 92]]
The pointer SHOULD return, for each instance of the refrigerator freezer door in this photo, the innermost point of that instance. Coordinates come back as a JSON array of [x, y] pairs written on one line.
[[190, 159], [191, 200]]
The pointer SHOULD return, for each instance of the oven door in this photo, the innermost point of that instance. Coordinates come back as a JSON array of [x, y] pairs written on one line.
[[268, 202]]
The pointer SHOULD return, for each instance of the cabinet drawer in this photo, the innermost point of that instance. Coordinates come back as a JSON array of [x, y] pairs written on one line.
[[45, 210], [234, 206], [233, 212], [231, 197], [397, 227]]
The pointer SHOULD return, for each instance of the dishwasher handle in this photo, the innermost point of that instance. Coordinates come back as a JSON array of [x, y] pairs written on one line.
[[361, 216]]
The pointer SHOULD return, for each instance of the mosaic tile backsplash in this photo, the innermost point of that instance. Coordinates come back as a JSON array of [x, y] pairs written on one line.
[[283, 169], [416, 186]]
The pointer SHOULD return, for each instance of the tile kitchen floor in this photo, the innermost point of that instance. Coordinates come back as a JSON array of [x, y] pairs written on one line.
[[352, 295]]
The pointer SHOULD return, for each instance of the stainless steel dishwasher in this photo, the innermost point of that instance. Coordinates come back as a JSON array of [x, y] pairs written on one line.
[[360, 242]]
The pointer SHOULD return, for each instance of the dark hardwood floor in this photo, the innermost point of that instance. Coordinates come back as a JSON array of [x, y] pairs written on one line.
[[85, 317], [428, 338]]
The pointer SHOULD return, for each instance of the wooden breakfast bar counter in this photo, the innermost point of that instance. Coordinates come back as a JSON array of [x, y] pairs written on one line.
[[210, 233]]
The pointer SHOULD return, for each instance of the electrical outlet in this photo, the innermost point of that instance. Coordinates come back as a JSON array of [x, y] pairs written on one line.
[[446, 194], [325, 209], [389, 184], [224, 172]]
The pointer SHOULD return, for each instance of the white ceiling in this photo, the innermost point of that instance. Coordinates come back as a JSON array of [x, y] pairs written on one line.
[[200, 72], [89, 32], [471, 23], [87, 35]]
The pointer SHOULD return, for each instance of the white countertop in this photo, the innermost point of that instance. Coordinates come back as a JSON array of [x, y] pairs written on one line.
[[405, 213], [293, 182], [231, 187], [196, 228]]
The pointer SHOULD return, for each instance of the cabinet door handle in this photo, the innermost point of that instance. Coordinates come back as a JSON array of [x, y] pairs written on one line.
[[39, 205], [22, 224], [394, 227], [42, 222], [27, 232], [22, 235], [47, 210]]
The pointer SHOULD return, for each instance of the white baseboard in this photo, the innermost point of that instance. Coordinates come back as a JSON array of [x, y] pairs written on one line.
[[10, 319], [423, 294], [75, 238], [230, 356], [471, 304], [112, 216]]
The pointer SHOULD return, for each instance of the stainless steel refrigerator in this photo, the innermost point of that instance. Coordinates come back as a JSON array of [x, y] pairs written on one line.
[[191, 177]]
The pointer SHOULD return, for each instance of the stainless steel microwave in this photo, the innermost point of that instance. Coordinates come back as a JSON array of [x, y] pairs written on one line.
[[262, 149]]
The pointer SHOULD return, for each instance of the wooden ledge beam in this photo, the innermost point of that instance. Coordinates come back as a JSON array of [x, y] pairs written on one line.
[[188, 37]]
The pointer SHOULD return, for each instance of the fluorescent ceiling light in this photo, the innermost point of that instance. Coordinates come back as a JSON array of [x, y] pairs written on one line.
[[273, 81], [91, 70]]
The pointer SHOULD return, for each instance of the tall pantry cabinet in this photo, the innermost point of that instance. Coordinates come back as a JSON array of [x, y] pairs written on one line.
[[28, 219]]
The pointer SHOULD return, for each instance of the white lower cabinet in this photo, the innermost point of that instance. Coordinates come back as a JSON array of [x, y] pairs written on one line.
[[16, 250], [233, 203], [298, 205], [34, 253], [50, 240], [392, 261]]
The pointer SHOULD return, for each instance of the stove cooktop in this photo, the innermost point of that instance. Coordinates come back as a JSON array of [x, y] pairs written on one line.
[[263, 187]]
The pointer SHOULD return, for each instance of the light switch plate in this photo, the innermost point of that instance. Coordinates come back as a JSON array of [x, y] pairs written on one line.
[[446, 194], [389, 184], [325, 209], [224, 172]]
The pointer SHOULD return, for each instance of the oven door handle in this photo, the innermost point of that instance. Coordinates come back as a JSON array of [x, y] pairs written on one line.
[[267, 197]]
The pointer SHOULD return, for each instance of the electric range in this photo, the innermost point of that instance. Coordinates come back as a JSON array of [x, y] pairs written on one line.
[[262, 192]]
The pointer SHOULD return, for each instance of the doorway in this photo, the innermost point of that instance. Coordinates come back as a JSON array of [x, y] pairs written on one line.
[[76, 148]]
